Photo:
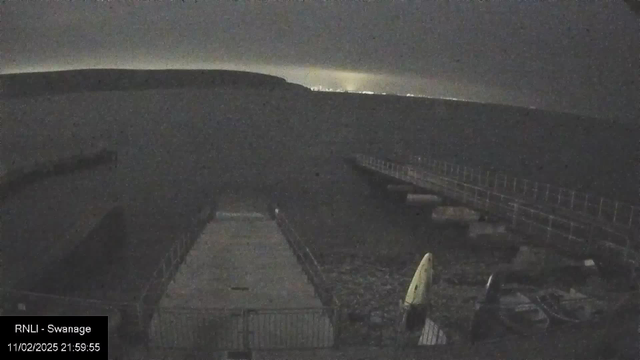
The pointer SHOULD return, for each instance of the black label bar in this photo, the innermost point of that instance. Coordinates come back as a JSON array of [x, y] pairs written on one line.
[[78, 337]]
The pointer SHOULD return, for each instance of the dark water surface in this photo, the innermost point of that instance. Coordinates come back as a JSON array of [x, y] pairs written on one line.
[[179, 148]]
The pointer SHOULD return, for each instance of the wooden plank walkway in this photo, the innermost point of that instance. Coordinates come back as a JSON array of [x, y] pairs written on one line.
[[241, 287]]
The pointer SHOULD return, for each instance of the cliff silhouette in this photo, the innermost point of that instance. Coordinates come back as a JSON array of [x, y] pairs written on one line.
[[95, 80]]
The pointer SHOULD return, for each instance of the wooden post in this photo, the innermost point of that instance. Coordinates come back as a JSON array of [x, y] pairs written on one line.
[[546, 197], [586, 204], [245, 330], [600, 208], [544, 259], [571, 230], [573, 195], [464, 193], [486, 207], [626, 250], [559, 196]]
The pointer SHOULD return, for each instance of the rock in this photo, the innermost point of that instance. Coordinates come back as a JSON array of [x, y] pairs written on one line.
[[466, 279], [486, 231], [204, 213], [529, 258], [356, 317], [590, 267], [376, 317], [454, 214], [469, 299], [596, 285]]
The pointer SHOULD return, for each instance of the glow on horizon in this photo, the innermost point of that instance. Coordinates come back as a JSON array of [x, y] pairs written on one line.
[[322, 89], [313, 77]]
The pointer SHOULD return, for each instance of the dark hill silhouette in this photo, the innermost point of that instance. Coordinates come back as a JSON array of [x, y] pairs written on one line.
[[93, 80]]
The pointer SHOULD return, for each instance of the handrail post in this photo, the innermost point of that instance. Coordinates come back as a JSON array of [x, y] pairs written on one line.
[[560, 195], [486, 207], [590, 238], [573, 195], [544, 259], [546, 197], [571, 230], [464, 193], [586, 204], [475, 197], [615, 212], [600, 207], [626, 251]]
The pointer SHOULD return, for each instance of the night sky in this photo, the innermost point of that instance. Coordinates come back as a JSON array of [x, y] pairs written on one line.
[[575, 56]]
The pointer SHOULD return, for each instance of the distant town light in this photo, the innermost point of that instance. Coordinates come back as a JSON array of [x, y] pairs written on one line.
[[324, 89]]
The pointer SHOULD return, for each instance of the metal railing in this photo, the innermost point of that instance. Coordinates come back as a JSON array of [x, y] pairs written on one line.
[[30, 303], [207, 330], [589, 206], [167, 269], [565, 234], [308, 262], [16, 179], [122, 316], [211, 330]]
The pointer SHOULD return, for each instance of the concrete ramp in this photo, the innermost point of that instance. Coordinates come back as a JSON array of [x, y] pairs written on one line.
[[235, 216], [241, 287]]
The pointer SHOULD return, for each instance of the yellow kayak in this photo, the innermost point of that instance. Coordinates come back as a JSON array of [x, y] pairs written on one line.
[[415, 301]]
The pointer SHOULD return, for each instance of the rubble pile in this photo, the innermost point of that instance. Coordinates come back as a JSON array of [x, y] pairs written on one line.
[[370, 256], [370, 286]]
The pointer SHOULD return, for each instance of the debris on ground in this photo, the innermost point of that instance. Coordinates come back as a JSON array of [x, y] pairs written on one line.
[[431, 334], [370, 268]]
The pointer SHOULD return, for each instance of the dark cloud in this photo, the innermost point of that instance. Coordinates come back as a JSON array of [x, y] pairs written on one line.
[[570, 55]]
